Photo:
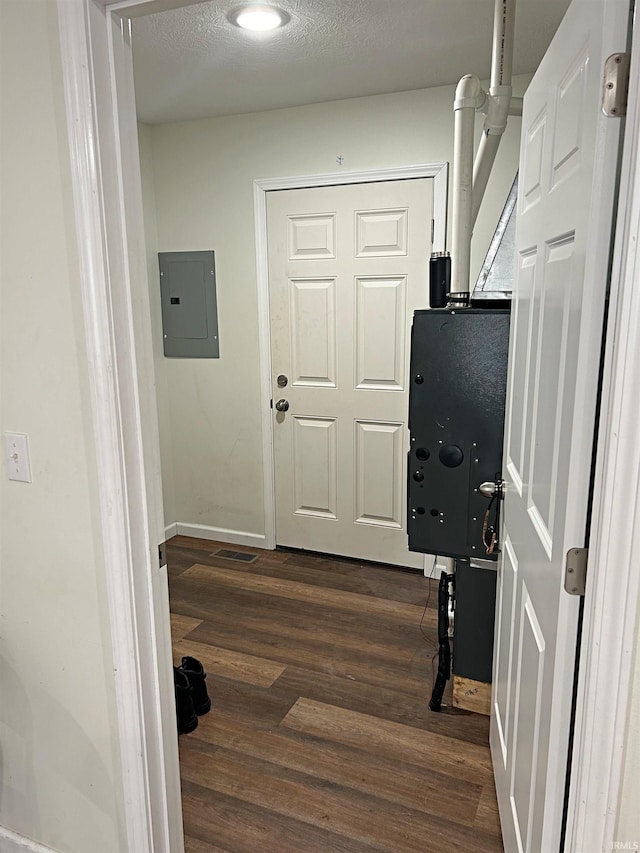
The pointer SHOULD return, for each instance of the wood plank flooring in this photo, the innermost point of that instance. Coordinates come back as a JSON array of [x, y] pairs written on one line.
[[320, 739]]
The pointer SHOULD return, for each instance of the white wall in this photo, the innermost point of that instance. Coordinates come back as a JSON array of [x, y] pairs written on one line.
[[58, 757], [204, 172]]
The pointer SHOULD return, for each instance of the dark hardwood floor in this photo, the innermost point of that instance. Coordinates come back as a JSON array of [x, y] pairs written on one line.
[[320, 738]]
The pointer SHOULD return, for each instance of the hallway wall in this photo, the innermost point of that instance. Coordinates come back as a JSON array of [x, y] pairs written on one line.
[[59, 767]]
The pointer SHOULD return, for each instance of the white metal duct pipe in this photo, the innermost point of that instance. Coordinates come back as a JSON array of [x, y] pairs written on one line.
[[499, 100], [469, 96]]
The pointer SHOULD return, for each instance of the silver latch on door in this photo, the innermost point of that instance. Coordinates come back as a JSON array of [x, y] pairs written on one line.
[[575, 571], [282, 405]]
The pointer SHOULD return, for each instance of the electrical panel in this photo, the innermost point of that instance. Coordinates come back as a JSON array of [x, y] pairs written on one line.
[[456, 424], [189, 309]]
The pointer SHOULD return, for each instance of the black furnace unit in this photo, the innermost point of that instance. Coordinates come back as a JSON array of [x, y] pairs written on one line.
[[456, 424]]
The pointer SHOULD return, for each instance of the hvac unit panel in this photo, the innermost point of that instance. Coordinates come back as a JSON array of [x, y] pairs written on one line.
[[473, 629], [456, 421]]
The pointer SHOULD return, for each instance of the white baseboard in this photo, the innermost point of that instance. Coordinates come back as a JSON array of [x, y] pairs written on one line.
[[219, 534], [429, 568], [11, 842], [171, 530]]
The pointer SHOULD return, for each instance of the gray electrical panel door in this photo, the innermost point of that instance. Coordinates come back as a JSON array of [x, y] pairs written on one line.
[[189, 310]]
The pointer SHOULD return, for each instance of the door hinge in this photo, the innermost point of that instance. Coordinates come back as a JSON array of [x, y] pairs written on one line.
[[615, 86], [575, 571], [162, 554], [433, 231]]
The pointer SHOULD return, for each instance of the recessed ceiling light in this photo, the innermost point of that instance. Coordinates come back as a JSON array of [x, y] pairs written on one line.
[[258, 18]]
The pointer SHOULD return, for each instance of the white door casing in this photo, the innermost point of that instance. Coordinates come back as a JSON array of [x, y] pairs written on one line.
[[347, 268], [565, 206], [101, 122]]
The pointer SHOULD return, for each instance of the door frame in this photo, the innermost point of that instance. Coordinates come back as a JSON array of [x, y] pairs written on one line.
[[151, 809], [107, 209], [440, 174]]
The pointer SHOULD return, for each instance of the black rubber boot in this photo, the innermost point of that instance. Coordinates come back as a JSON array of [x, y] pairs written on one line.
[[185, 712], [194, 671]]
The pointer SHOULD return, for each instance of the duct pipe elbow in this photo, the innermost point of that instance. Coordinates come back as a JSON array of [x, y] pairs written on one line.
[[469, 93], [495, 123]]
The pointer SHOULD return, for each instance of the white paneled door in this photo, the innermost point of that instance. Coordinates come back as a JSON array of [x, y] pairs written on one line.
[[568, 167], [347, 268]]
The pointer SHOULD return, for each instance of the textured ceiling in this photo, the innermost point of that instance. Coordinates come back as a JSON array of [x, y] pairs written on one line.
[[192, 63]]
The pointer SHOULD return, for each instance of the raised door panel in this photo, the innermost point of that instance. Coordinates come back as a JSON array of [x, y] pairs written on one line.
[[379, 473], [381, 233], [503, 646], [312, 237], [532, 154], [380, 333], [523, 327], [315, 467], [528, 705], [570, 105], [312, 312], [550, 401]]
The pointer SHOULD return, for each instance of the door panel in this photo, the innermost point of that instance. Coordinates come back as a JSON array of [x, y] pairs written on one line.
[[347, 268], [503, 652], [379, 473], [523, 327], [530, 671], [568, 167], [312, 237], [381, 233], [381, 333], [314, 465], [313, 332]]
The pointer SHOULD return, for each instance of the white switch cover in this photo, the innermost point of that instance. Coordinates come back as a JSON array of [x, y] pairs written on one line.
[[16, 453]]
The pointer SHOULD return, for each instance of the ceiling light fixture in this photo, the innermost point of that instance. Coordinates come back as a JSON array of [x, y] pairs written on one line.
[[258, 18]]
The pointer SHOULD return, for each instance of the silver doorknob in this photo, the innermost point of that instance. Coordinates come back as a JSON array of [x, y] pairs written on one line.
[[282, 405]]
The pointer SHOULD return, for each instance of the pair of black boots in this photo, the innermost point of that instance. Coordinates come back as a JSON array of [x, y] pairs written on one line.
[[192, 699]]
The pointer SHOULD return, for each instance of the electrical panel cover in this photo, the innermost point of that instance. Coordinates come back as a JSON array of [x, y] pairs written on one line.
[[189, 309]]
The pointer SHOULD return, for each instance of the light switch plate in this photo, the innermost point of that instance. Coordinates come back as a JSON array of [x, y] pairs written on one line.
[[16, 451]]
